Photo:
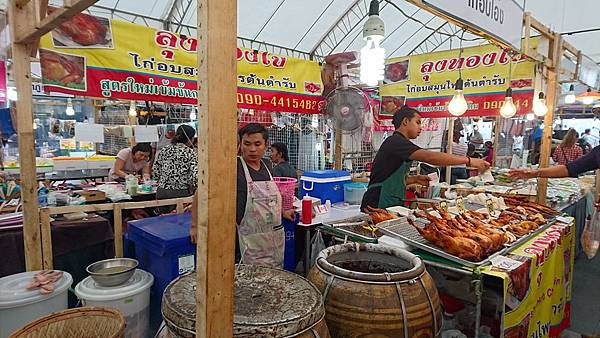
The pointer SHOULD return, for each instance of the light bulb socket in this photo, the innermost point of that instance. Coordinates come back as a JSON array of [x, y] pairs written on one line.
[[572, 88], [459, 85], [589, 90], [374, 7], [508, 92], [541, 95]]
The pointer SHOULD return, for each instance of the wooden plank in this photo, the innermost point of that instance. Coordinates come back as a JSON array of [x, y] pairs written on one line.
[[122, 205], [46, 231], [55, 19], [118, 225], [80, 208], [21, 3], [22, 71], [450, 140], [217, 140], [497, 131], [551, 96], [179, 208], [338, 150]]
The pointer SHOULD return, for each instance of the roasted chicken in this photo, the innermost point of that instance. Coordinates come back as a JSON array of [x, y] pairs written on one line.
[[379, 215]]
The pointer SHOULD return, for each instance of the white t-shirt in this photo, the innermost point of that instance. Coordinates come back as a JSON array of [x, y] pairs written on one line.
[[459, 149], [130, 166]]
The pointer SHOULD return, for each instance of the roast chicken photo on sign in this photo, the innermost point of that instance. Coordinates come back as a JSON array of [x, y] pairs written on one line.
[[63, 70], [83, 30]]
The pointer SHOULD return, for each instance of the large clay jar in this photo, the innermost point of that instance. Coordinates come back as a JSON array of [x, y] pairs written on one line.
[[376, 291], [268, 303]]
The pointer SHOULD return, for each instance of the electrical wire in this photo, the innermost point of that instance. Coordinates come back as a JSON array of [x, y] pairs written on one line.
[[425, 25]]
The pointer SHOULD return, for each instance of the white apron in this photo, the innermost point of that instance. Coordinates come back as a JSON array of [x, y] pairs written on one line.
[[261, 235]]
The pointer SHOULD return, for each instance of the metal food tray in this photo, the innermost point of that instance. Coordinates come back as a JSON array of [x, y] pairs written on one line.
[[400, 228], [342, 233]]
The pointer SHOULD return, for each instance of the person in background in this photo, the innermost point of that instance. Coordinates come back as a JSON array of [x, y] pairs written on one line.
[[568, 150], [280, 158], [458, 149], [537, 143], [391, 166], [586, 141], [132, 161], [488, 153], [176, 167]]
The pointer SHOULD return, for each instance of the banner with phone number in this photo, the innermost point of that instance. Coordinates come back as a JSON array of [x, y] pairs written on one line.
[[426, 81], [537, 290], [98, 57]]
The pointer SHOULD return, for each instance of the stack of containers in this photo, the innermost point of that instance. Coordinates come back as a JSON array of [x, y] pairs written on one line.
[[163, 248]]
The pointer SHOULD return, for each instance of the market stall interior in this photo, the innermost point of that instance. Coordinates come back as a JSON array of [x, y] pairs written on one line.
[[403, 169]]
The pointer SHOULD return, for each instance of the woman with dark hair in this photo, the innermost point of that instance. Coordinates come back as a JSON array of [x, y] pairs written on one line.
[[391, 166], [280, 158], [132, 161], [176, 167]]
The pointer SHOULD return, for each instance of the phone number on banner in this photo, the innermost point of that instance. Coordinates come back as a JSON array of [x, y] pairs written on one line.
[[277, 101]]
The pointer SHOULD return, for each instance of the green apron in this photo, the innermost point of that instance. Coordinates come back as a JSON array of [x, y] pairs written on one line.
[[393, 189]]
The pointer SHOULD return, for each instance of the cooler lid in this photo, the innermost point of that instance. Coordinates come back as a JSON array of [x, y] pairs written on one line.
[[88, 289], [326, 173], [13, 289], [167, 232]]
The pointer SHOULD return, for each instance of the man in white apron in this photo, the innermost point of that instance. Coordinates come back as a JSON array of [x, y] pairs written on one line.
[[260, 233]]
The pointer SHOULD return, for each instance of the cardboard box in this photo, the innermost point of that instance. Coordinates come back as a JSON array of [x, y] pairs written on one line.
[[91, 195]]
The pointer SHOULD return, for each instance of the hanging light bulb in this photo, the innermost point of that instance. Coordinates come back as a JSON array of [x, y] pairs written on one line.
[[372, 55], [508, 108], [69, 111], [132, 110], [193, 114], [458, 104], [589, 97], [570, 98], [530, 117], [539, 105]]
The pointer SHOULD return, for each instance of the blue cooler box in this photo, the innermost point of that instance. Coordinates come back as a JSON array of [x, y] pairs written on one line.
[[324, 184], [163, 248]]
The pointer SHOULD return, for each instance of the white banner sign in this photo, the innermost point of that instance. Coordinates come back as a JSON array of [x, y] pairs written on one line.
[[502, 19]]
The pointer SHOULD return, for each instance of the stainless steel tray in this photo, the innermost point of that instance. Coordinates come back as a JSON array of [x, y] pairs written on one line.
[[400, 228]]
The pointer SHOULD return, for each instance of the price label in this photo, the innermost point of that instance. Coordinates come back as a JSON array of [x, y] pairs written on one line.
[[490, 206], [444, 205], [460, 204]]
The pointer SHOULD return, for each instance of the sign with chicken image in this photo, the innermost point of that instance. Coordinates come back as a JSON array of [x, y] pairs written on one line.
[[112, 59]]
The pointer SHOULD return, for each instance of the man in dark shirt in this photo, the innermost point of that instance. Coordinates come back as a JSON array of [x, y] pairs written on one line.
[[391, 166], [280, 158]]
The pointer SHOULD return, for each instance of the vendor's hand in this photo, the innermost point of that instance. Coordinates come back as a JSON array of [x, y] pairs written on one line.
[[193, 234], [523, 173], [480, 164], [146, 177], [420, 180], [290, 215]]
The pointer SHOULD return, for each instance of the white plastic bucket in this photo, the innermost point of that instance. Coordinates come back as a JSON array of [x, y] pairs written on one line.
[[19, 306], [132, 298]]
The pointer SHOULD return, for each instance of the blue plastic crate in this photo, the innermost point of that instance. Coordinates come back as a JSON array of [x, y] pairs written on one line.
[[163, 248], [324, 184]]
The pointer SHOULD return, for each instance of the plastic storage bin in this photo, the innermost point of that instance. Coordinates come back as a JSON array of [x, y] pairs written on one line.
[[324, 184], [19, 306], [163, 248], [353, 192], [131, 298]]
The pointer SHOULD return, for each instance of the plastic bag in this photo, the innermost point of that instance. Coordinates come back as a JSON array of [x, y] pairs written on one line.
[[590, 237], [317, 245]]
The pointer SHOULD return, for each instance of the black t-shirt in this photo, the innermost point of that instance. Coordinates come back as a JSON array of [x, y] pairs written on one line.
[[589, 161], [242, 185], [394, 152]]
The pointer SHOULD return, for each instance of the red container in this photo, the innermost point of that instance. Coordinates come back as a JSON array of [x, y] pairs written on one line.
[[306, 211]]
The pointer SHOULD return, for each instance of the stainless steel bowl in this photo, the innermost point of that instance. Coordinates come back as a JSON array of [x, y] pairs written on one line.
[[112, 272]]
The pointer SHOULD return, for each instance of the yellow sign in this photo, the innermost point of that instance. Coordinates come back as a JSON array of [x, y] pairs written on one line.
[[537, 294], [98, 57], [427, 81]]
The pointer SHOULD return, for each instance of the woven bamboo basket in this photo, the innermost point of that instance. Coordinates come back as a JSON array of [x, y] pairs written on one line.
[[84, 322]]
